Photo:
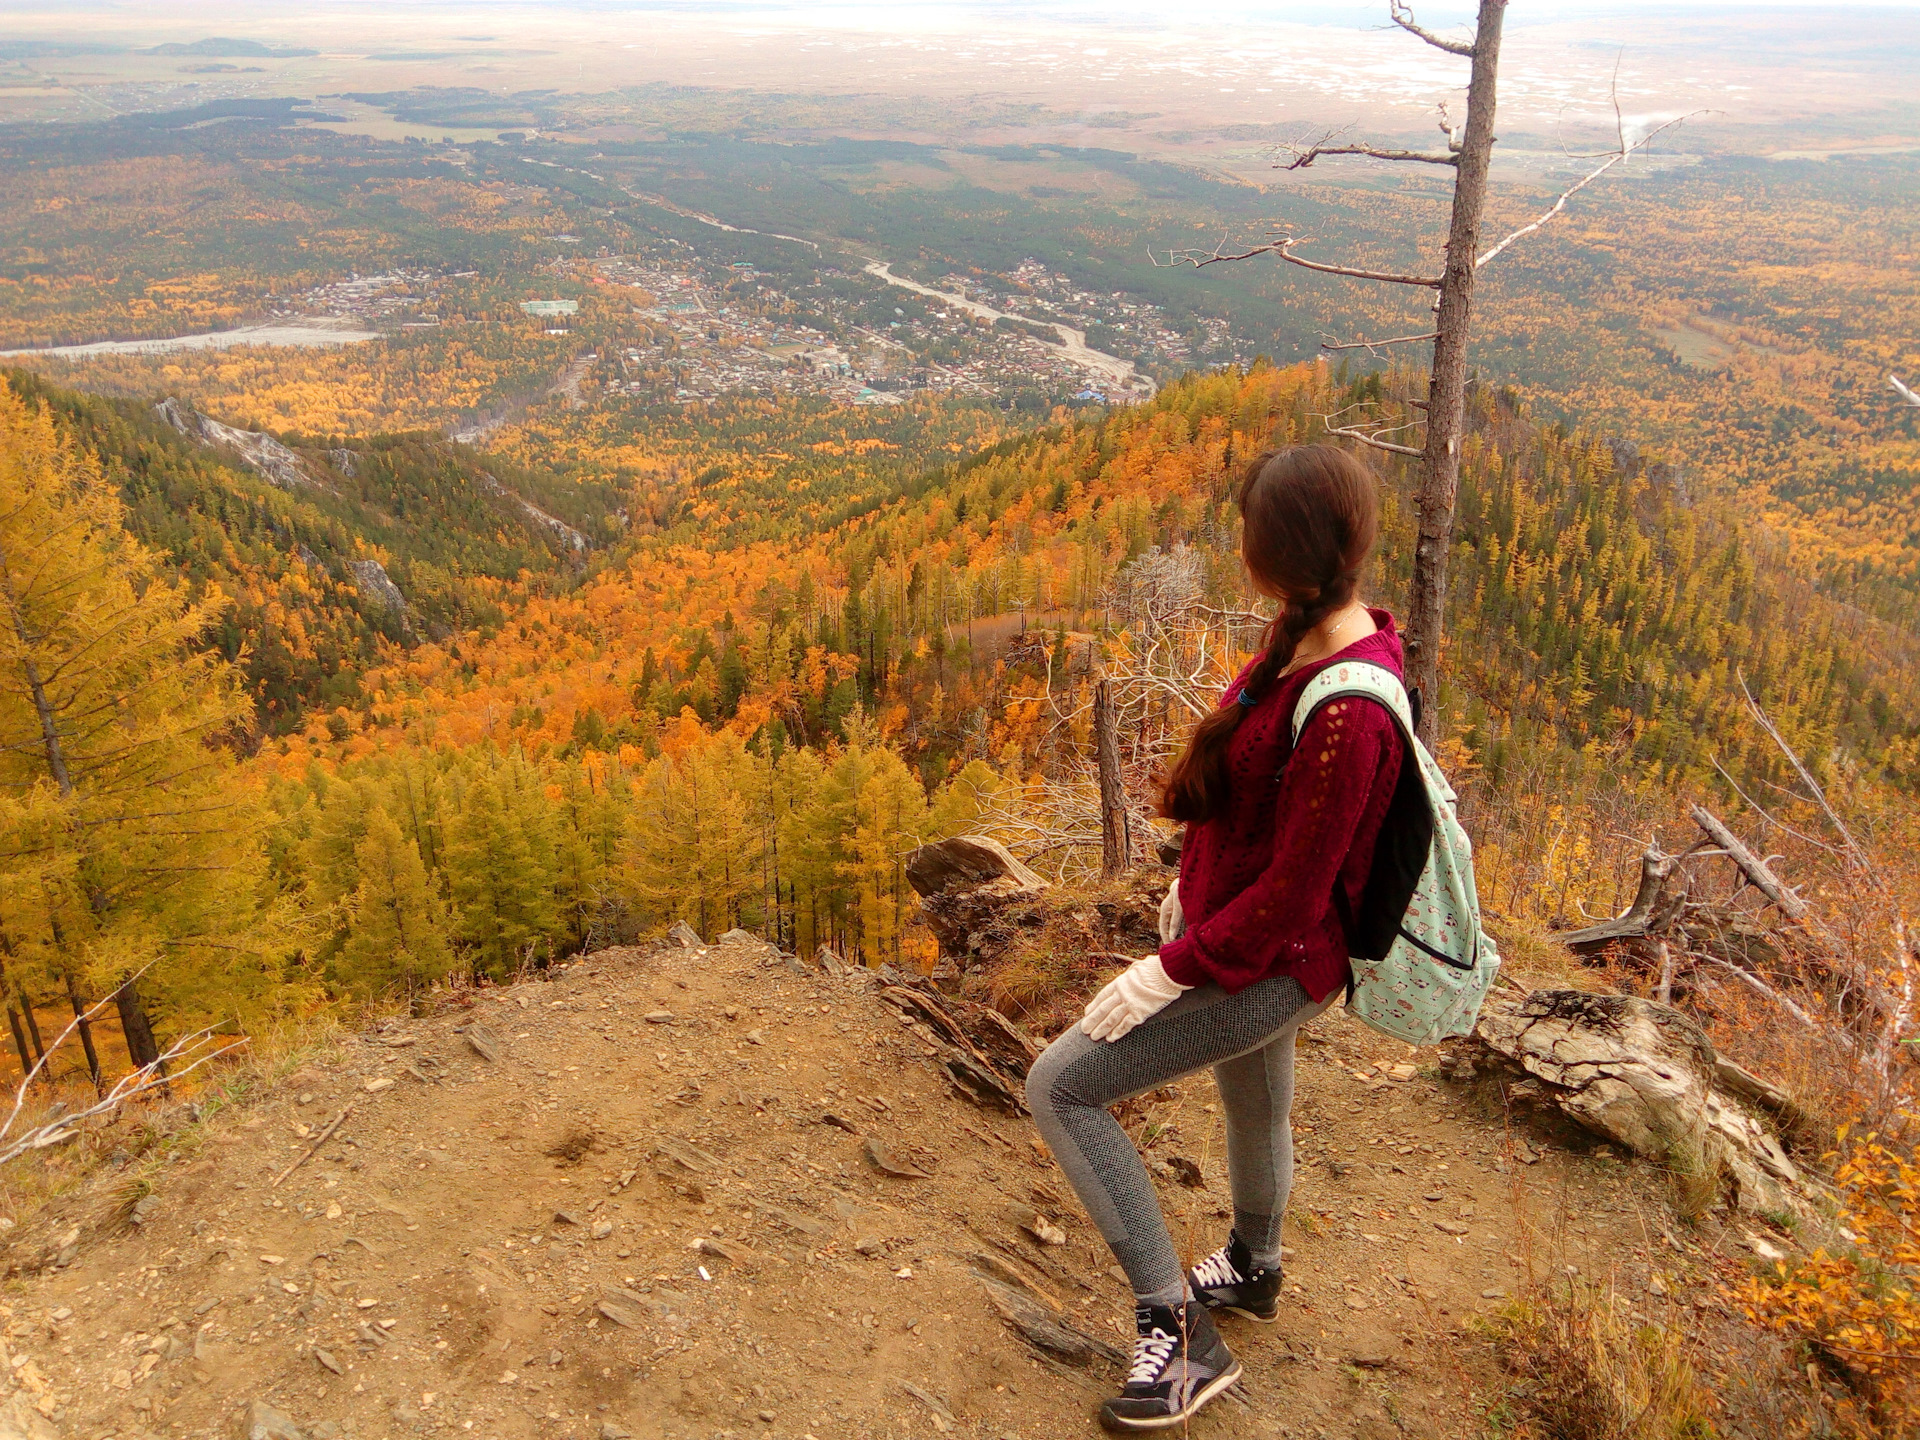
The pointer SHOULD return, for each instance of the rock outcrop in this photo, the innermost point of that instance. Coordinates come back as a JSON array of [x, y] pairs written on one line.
[[260, 453], [974, 894]]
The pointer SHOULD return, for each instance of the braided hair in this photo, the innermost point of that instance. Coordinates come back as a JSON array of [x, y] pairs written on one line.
[[1309, 515]]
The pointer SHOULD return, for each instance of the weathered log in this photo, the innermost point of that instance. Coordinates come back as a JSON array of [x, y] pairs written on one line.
[[1758, 874], [1646, 1077], [1736, 1079]]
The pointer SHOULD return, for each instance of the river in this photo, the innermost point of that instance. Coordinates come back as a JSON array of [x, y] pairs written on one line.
[[283, 333]]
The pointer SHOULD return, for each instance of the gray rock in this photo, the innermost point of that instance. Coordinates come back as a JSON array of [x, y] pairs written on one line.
[[370, 578], [967, 861], [20, 1421], [683, 935], [261, 453], [266, 1423], [485, 1043]]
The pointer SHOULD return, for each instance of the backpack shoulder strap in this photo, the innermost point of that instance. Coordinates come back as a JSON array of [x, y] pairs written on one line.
[[1363, 678]]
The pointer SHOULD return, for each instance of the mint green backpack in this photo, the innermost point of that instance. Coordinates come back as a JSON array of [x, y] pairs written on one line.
[[1421, 963]]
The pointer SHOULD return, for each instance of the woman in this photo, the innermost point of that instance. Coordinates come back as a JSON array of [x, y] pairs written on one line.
[[1272, 831]]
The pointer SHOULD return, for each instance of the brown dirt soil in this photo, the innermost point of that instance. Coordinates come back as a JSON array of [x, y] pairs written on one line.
[[452, 1259]]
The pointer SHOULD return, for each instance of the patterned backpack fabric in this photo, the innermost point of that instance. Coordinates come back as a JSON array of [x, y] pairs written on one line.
[[1421, 963]]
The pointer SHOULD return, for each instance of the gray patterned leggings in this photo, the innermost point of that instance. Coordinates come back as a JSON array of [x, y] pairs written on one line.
[[1248, 1040]]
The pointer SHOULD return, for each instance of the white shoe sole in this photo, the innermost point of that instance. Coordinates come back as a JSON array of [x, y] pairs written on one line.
[[1166, 1422], [1273, 1319]]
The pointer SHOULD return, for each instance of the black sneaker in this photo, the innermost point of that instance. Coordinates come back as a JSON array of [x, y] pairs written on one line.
[[1176, 1369], [1228, 1280]]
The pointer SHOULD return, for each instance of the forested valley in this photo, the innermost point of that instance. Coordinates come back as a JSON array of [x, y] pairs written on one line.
[[433, 561], [539, 743]]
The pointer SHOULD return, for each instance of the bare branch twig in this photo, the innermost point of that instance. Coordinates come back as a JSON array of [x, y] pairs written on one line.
[[1371, 346], [313, 1149], [1755, 983], [1574, 189], [1403, 17], [1283, 249], [1305, 155], [129, 1087], [1855, 854]]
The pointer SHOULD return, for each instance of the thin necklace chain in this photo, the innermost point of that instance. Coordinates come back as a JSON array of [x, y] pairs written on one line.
[[1326, 636]]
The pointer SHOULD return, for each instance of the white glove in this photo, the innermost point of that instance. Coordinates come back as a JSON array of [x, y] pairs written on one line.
[[1173, 920], [1136, 992]]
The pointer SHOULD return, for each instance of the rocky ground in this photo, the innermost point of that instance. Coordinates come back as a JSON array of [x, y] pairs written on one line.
[[701, 1193]]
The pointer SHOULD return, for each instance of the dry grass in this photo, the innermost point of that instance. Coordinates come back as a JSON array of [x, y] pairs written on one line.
[[1585, 1372]]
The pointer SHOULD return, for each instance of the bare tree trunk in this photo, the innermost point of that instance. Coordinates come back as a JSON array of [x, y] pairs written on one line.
[[1447, 388], [85, 1027], [19, 1041], [1115, 843], [33, 1025], [135, 1025]]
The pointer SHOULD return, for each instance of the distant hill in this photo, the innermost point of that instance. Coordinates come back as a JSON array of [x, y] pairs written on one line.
[[335, 551], [221, 47]]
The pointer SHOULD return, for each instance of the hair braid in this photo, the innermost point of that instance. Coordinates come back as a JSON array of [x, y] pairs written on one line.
[[1310, 524]]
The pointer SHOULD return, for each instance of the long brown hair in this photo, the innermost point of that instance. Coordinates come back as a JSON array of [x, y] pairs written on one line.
[[1308, 519]]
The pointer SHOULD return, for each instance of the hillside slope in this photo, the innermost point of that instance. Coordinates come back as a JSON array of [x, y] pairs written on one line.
[[332, 551], [507, 1248]]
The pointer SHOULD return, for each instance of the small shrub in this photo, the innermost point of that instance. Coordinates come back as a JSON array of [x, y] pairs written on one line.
[[1858, 1308]]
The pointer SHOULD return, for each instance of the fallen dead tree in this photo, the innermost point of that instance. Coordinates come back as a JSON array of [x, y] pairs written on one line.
[[1646, 1077], [1686, 940]]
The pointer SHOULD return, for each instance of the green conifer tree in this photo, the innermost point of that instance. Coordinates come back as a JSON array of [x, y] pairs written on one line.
[[397, 939]]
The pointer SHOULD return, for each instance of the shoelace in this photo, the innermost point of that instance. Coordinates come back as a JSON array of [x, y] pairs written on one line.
[[1217, 1269], [1150, 1354]]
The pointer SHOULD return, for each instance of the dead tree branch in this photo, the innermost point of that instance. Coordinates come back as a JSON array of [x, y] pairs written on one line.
[[147, 1078], [1759, 986], [1616, 158], [313, 1149], [1282, 248], [1305, 155], [1855, 855], [1403, 17], [1374, 436], [1372, 346], [1758, 874]]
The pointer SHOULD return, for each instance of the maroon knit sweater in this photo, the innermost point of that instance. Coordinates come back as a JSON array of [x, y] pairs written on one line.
[[1256, 880]]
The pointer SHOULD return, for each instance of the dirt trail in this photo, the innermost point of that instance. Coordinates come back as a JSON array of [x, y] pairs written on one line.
[[506, 1248]]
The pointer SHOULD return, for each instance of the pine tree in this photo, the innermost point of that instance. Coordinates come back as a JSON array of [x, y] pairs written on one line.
[[500, 878], [693, 848], [397, 939], [128, 846]]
